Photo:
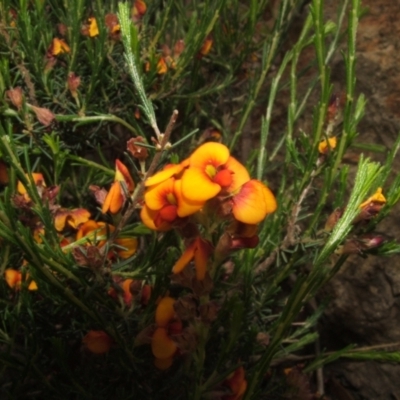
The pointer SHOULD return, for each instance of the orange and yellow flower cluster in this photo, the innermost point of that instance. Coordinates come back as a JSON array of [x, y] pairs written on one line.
[[210, 183], [210, 173]]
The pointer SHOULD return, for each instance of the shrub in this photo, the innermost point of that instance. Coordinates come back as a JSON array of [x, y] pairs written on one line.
[[152, 263]]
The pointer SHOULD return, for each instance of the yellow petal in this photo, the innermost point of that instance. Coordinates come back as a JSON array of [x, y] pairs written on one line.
[[114, 199], [33, 286], [60, 219], [377, 197], [122, 174], [240, 174], [212, 153], [148, 218], [13, 278], [325, 145], [185, 258], [162, 346], [93, 28], [169, 171], [201, 257], [165, 311], [185, 206], [158, 196], [197, 185], [129, 247], [78, 216], [253, 202]]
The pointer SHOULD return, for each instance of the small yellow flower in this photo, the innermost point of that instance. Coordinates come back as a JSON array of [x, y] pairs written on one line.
[[326, 145], [59, 46], [93, 28], [376, 198]]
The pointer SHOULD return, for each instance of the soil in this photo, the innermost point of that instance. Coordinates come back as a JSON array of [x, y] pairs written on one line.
[[365, 295]]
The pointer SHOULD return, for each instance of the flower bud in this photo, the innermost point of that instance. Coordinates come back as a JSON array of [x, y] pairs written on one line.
[[16, 96]]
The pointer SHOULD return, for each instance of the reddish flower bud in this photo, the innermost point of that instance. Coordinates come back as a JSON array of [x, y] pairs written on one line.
[[44, 115], [136, 150], [73, 82], [16, 96]]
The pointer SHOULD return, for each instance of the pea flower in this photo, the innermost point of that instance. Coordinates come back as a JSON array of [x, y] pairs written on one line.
[[113, 26], [138, 10], [14, 279], [162, 66], [97, 342], [326, 145], [164, 204], [58, 46], [213, 172], [39, 183], [206, 174], [252, 202], [162, 345], [72, 218], [97, 233], [93, 29], [376, 198], [371, 207], [116, 196]]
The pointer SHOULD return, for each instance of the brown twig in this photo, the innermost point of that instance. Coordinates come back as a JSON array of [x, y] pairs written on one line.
[[292, 231]]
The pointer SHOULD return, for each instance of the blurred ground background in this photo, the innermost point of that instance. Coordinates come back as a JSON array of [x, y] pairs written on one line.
[[365, 296]]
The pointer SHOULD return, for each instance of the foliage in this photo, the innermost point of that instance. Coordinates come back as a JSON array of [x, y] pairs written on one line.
[[122, 292]]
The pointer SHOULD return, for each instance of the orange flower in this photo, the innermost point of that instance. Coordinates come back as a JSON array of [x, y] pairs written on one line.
[[166, 203], [14, 279], [116, 196], [93, 28], [206, 175], [253, 202], [126, 247], [114, 28], [138, 10], [97, 232], [237, 384], [162, 67], [326, 145], [167, 172], [199, 251], [74, 218], [97, 342], [94, 231], [58, 46], [39, 182], [162, 346]]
